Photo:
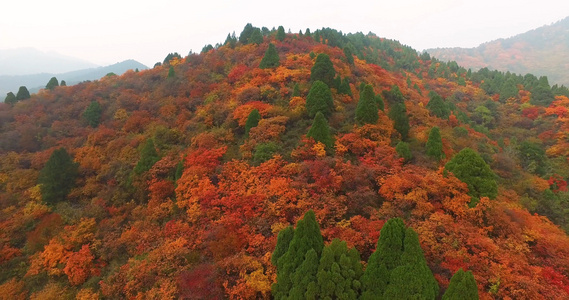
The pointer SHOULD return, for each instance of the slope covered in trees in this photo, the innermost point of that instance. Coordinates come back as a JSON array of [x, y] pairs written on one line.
[[180, 178]]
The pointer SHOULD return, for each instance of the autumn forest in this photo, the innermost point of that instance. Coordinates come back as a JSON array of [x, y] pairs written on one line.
[[274, 165]]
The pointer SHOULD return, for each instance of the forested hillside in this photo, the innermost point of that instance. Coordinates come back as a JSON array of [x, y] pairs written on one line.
[[175, 182], [541, 51]]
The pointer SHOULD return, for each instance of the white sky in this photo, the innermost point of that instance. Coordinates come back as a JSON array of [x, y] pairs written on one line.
[[109, 31]]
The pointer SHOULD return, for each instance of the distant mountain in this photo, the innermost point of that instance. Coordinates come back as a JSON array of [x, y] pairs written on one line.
[[542, 51], [26, 61], [36, 82]]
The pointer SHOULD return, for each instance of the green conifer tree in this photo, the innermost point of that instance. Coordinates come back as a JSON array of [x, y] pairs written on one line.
[[437, 106], [296, 90], [323, 70], [379, 102], [246, 34], [252, 121], [412, 279], [52, 83], [398, 113], [320, 131], [92, 114], [339, 272], [319, 99], [63, 83], [256, 37], [509, 90], [148, 157], [304, 277], [171, 72], [349, 55], [470, 168], [283, 241], [344, 87], [57, 177], [22, 94], [366, 111], [280, 34], [435, 144], [271, 58], [10, 98], [462, 286], [403, 151]]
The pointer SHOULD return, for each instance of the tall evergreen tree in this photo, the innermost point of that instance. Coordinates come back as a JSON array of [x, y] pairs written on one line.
[[280, 34], [93, 114], [320, 131], [412, 279], [344, 87], [246, 34], [437, 106], [379, 102], [366, 111], [509, 90], [296, 90], [403, 151], [256, 37], [306, 237], [349, 55], [394, 95], [10, 98], [148, 157], [63, 83], [22, 94], [319, 99], [398, 113], [339, 272], [304, 278], [462, 286], [57, 177], [252, 121], [171, 72], [52, 83], [283, 241], [323, 70], [271, 58], [470, 168], [435, 144]]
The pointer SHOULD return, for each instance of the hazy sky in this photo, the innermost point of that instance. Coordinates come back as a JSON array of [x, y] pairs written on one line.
[[106, 31]]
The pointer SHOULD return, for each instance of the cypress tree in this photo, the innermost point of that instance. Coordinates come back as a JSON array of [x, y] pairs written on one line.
[[319, 99], [271, 58], [246, 34], [52, 83], [280, 34], [22, 94], [306, 237], [283, 241], [403, 151], [63, 83], [323, 70], [10, 98], [256, 37], [320, 131], [93, 114], [171, 72], [462, 286], [384, 259], [437, 106], [394, 95], [412, 279], [470, 168], [252, 121], [57, 177], [435, 144], [339, 272], [349, 55], [366, 111], [304, 277], [508, 90], [148, 157], [344, 87], [398, 113], [379, 102]]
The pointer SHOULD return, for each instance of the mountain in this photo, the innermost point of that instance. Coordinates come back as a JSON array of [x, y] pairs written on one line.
[[36, 82], [26, 61], [543, 51], [190, 180]]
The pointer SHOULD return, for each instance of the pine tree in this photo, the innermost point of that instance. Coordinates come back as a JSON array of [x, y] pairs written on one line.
[[246, 34], [306, 237], [319, 99], [57, 177], [412, 279], [256, 37], [437, 106], [148, 157], [280, 34], [384, 259], [52, 83], [22, 94], [349, 55], [63, 83], [283, 241], [509, 90], [344, 87], [470, 168], [93, 114], [10, 98], [304, 277], [323, 70], [462, 286], [366, 111], [394, 95], [271, 58], [339, 272], [435, 144], [398, 113], [252, 121], [403, 151], [379, 102], [320, 131]]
